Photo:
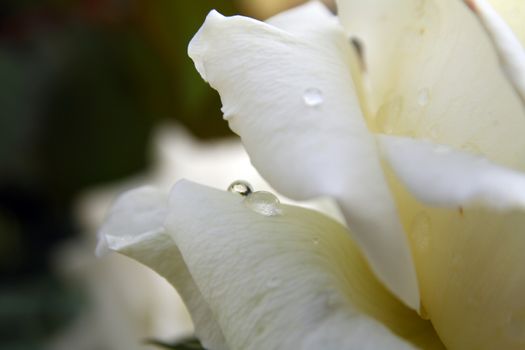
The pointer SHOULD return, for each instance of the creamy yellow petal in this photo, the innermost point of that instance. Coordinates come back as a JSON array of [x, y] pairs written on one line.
[[275, 282], [288, 281], [469, 256], [441, 78], [470, 267]]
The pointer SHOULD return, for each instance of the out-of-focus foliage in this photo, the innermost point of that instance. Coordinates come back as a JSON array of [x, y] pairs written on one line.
[[84, 81], [82, 84]]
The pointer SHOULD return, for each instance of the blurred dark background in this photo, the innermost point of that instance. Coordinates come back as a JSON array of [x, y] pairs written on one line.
[[82, 85]]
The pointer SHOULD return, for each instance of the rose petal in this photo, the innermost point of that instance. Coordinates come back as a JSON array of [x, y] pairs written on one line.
[[378, 26], [469, 253], [470, 267], [278, 282], [290, 96], [506, 43], [283, 282], [440, 176], [435, 75], [135, 227]]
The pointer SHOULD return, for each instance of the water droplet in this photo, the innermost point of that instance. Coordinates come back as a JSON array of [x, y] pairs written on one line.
[[315, 240], [313, 97], [264, 203], [240, 187], [420, 232], [423, 97], [274, 282]]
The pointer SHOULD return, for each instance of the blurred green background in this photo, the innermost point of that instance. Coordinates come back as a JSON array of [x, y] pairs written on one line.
[[82, 85]]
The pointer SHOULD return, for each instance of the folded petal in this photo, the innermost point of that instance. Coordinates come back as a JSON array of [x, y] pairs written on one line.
[[441, 176], [288, 281], [469, 250], [506, 43], [435, 75], [287, 90], [135, 227]]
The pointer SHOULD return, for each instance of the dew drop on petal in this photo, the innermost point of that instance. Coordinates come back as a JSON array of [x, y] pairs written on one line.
[[240, 187], [264, 203], [313, 97], [423, 97]]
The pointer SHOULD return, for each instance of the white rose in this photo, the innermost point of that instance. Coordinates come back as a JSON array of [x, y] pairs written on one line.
[[400, 137]]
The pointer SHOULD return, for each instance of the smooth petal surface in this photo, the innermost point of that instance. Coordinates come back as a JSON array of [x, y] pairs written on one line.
[[506, 43], [437, 175], [135, 227], [470, 267], [469, 254], [287, 91], [441, 80], [289, 281], [292, 281]]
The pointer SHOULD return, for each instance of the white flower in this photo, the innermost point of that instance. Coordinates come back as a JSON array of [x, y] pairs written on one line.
[[418, 137]]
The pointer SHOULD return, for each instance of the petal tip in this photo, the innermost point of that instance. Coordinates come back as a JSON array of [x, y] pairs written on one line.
[[197, 45], [135, 214]]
